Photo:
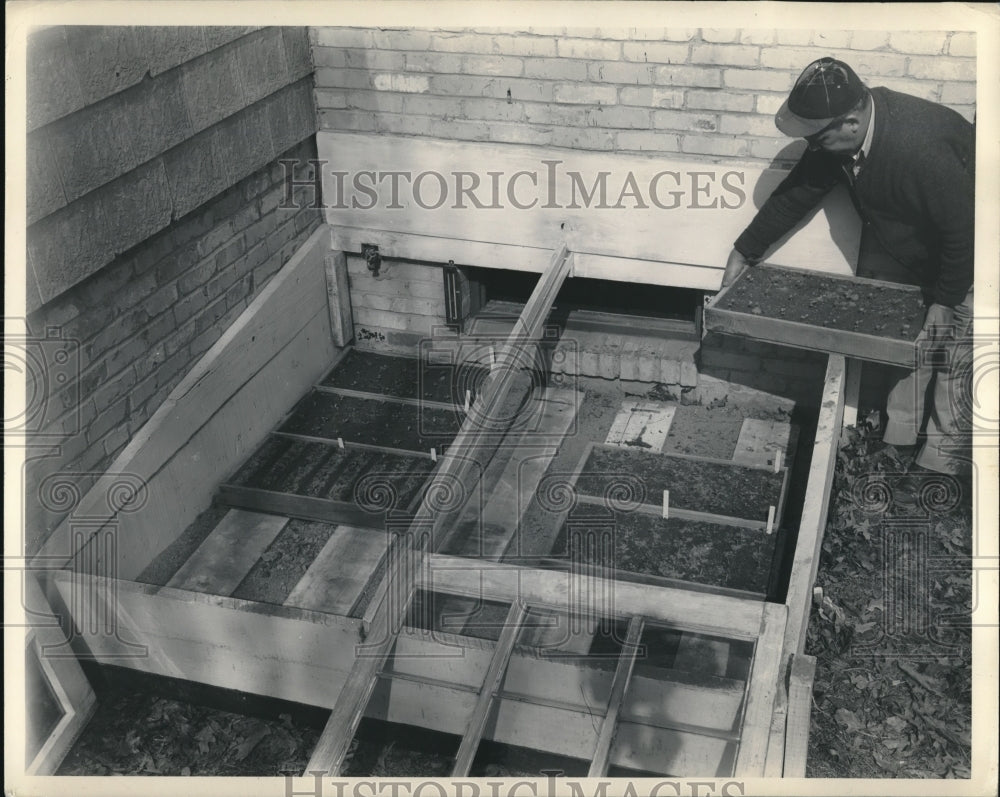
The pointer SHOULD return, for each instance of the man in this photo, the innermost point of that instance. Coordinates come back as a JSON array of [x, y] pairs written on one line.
[[909, 167]]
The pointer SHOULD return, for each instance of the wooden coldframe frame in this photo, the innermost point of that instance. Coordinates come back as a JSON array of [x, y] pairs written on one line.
[[807, 336], [180, 628]]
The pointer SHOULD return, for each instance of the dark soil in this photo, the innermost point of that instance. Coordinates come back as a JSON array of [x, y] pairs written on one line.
[[496, 760], [169, 561], [324, 471], [284, 563], [390, 750], [892, 696], [706, 432], [374, 422], [453, 614], [136, 731], [406, 377], [848, 304], [702, 553], [717, 488]]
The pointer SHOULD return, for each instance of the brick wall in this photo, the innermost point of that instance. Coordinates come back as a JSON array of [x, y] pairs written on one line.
[[153, 209], [701, 94]]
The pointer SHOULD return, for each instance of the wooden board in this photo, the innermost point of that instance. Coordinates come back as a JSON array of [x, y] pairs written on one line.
[[801, 335], [623, 674], [504, 237], [763, 687], [337, 577], [759, 440], [642, 423], [299, 506], [218, 414], [800, 686], [225, 557]]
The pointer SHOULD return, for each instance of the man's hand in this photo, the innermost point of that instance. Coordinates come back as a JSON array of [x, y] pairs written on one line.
[[734, 267], [938, 324]]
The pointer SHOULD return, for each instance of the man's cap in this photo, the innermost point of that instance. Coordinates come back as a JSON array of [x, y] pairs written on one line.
[[826, 90]]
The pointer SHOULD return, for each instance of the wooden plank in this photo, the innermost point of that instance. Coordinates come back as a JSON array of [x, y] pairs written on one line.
[[775, 757], [623, 674], [226, 555], [760, 439], [474, 441], [65, 678], [800, 684], [681, 514], [413, 402], [338, 290], [852, 390], [642, 423], [484, 703], [338, 575], [732, 617], [273, 651], [299, 506], [399, 452], [685, 189], [218, 414], [763, 685], [812, 524]]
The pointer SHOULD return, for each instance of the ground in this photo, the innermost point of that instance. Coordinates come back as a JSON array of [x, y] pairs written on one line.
[[892, 696]]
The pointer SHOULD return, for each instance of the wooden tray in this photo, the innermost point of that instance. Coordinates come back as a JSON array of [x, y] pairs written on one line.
[[722, 315]]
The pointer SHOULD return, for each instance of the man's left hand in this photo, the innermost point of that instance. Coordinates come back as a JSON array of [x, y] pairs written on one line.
[[938, 323]]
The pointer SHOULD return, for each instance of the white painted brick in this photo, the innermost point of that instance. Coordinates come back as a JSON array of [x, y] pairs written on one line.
[[869, 39], [446, 107], [926, 89], [759, 79], [393, 81], [343, 78], [680, 34], [682, 120], [538, 46], [615, 72], [958, 93], [648, 35], [374, 59], [720, 35], [609, 362], [575, 93], [734, 55], [940, 68], [376, 101], [343, 37], [589, 363], [918, 42], [494, 110], [689, 374], [330, 99], [831, 38], [438, 63], [644, 141], [784, 149], [407, 39], [670, 371], [492, 65], [967, 111], [463, 43], [573, 137], [962, 44], [519, 134], [655, 52], [649, 366], [747, 125], [713, 145], [770, 103], [556, 68], [763, 37], [794, 37], [629, 368], [545, 114], [329, 56], [719, 101], [651, 97], [683, 75], [346, 120], [590, 49], [618, 117]]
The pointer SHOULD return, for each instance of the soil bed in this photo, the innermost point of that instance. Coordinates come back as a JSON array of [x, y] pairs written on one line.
[[406, 377], [391, 750], [701, 553], [847, 304], [323, 471], [383, 423], [716, 488]]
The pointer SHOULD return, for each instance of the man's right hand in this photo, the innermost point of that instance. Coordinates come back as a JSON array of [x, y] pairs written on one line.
[[734, 267]]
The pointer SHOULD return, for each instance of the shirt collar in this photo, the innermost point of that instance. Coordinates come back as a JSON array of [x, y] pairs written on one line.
[[869, 135]]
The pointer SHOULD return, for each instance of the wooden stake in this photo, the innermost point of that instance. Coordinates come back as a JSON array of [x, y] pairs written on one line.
[[777, 460], [340, 443], [468, 400], [434, 458], [666, 504], [770, 520]]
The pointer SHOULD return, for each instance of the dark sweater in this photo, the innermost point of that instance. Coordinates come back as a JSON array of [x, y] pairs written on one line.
[[915, 193]]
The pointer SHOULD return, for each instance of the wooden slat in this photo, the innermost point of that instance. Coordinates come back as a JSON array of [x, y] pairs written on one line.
[[816, 505], [681, 514], [732, 617], [338, 575], [647, 422], [636, 233], [775, 758], [800, 685], [299, 506], [406, 400], [338, 289], [217, 415], [623, 674], [225, 557], [484, 703], [473, 441], [763, 686], [399, 452]]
